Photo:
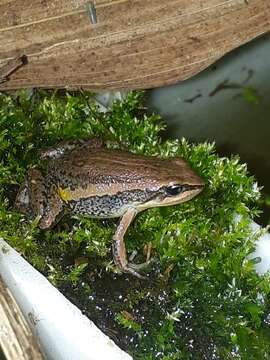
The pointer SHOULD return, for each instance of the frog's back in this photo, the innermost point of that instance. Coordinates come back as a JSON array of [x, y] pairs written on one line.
[[102, 168]]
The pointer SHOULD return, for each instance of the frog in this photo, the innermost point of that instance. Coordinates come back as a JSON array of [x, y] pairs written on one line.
[[84, 177]]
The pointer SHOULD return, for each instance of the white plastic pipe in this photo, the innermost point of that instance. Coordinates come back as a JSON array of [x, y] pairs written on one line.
[[63, 331]]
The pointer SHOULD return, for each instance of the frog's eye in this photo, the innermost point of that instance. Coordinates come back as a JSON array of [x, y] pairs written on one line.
[[174, 190]]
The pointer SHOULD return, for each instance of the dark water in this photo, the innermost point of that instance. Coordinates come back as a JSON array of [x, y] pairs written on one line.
[[229, 103]]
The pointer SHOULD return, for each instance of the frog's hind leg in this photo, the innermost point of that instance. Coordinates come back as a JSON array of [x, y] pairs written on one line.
[[54, 208], [119, 249], [37, 190], [64, 147], [30, 198]]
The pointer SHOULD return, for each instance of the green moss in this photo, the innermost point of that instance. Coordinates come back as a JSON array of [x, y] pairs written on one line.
[[204, 299]]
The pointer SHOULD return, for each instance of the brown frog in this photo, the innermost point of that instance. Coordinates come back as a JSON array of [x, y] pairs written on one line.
[[86, 178]]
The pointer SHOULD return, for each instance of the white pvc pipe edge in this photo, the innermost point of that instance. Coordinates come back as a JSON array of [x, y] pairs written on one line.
[[63, 331]]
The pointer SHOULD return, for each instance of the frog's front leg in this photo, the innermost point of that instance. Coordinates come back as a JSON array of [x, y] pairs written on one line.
[[119, 249]]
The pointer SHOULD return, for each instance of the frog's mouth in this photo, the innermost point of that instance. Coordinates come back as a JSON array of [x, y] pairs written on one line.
[[189, 193]]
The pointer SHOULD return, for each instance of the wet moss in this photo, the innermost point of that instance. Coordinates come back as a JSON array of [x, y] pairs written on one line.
[[203, 299]]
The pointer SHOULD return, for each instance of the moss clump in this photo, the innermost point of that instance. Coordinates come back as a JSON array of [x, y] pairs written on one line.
[[204, 299]]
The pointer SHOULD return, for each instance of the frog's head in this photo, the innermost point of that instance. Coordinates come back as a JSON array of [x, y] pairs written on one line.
[[177, 183]]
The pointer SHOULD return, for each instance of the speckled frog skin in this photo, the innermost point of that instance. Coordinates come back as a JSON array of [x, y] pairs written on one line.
[[83, 177]]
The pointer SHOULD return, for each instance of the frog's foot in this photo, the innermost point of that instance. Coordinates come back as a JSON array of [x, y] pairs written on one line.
[[146, 251], [131, 269], [141, 265], [134, 268], [119, 249]]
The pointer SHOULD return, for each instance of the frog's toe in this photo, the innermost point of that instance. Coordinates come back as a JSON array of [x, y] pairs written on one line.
[[148, 251], [133, 255], [134, 268], [141, 265], [130, 270]]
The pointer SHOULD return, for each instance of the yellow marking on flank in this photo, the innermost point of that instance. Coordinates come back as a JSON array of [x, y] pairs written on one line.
[[65, 194], [80, 193], [95, 190]]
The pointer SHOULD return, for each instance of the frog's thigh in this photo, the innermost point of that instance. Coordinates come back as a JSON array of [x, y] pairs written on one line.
[[37, 189], [60, 149], [119, 249], [53, 208]]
